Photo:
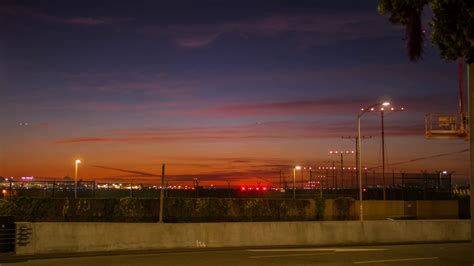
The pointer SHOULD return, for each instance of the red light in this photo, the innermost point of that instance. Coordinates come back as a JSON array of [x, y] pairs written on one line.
[[264, 188], [242, 188], [364, 189], [257, 188]]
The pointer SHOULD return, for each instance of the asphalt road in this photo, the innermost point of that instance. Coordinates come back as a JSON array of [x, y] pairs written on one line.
[[420, 254]]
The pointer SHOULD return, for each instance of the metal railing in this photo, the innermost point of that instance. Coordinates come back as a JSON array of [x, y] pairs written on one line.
[[446, 126], [13, 236]]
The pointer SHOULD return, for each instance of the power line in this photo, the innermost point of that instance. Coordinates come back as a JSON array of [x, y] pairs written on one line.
[[426, 157]]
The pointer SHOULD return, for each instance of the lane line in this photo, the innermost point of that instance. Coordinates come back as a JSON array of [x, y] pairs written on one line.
[[394, 260], [290, 255], [317, 249]]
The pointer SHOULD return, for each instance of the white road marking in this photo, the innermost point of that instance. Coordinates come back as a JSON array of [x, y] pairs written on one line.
[[289, 255], [316, 249], [394, 260]]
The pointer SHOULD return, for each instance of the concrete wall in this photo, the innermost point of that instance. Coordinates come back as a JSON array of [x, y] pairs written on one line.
[[437, 209], [381, 210], [95, 237]]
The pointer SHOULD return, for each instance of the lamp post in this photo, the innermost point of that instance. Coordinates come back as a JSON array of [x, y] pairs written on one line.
[[382, 110], [294, 180], [75, 177], [359, 152]]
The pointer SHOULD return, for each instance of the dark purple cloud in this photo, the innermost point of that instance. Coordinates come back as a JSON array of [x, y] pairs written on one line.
[[335, 27], [257, 131], [14, 10]]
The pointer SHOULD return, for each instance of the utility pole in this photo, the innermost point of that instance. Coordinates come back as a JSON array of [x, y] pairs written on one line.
[[54, 185], [162, 195], [334, 174], [383, 109], [196, 186], [334, 178], [228, 188], [470, 84], [280, 179], [258, 189], [356, 139], [366, 181], [383, 157], [302, 181], [342, 163], [321, 186], [342, 171]]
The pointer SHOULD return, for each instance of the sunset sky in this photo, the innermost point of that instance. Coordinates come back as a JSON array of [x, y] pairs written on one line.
[[216, 89]]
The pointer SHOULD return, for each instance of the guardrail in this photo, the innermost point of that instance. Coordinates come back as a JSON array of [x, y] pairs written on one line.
[[12, 236]]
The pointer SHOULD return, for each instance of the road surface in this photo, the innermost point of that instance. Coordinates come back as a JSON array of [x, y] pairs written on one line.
[[419, 254]]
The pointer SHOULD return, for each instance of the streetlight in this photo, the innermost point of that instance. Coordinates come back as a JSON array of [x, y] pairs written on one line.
[[294, 180], [382, 112], [342, 163], [75, 178], [359, 151]]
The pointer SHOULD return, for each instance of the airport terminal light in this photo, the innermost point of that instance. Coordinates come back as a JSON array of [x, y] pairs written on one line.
[[358, 155]]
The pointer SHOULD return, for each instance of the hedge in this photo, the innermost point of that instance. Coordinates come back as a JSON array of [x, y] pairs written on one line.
[[175, 210]]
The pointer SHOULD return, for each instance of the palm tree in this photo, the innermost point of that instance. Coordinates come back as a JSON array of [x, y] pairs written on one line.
[[452, 32], [452, 26]]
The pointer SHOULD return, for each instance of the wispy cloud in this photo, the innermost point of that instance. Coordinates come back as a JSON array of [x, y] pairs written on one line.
[[15, 10], [82, 21], [334, 26], [258, 131]]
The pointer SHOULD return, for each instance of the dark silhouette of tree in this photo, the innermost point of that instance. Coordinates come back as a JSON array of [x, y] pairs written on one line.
[[452, 26]]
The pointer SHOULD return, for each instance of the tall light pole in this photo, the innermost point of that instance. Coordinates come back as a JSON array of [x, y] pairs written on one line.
[[359, 152], [75, 177], [294, 180], [162, 195], [342, 153], [382, 110], [470, 86]]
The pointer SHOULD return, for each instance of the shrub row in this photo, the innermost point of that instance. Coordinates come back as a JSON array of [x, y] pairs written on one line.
[[147, 210]]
